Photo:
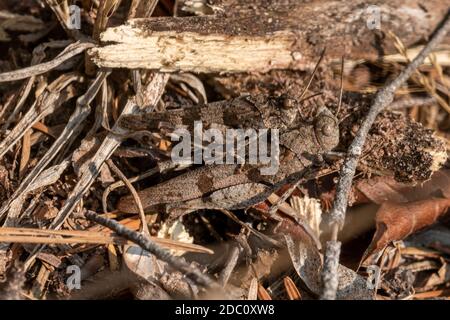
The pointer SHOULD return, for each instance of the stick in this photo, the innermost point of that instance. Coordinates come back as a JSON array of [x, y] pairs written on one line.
[[382, 99], [30, 235], [145, 243]]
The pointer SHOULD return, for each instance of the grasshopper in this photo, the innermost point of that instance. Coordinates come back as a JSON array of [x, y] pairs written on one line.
[[235, 186]]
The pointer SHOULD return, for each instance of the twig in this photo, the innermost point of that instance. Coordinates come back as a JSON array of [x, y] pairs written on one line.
[[237, 42], [145, 243], [382, 99], [230, 264], [69, 52], [31, 235]]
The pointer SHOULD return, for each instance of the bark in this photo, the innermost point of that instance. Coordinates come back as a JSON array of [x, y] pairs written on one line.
[[264, 35]]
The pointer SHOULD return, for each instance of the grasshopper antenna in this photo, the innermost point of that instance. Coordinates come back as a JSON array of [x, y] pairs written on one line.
[[311, 96], [312, 75], [342, 87]]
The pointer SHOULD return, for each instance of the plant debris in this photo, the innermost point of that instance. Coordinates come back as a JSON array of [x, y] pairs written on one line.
[[96, 201]]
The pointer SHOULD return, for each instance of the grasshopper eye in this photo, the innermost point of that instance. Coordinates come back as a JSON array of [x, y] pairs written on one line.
[[288, 103], [327, 131], [325, 126]]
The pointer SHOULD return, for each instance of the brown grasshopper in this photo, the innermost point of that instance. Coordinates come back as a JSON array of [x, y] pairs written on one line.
[[235, 186]]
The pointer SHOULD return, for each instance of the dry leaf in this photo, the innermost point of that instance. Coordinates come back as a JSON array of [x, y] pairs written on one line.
[[307, 262], [139, 261], [382, 189], [396, 221]]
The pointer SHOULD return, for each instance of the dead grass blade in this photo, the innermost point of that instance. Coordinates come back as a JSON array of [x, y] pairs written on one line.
[[71, 51], [54, 96], [42, 236], [72, 128]]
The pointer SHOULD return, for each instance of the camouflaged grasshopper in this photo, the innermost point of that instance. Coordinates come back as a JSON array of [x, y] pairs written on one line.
[[234, 186]]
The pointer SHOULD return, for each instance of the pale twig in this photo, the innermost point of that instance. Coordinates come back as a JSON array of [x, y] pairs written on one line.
[[382, 99], [71, 51], [31, 235]]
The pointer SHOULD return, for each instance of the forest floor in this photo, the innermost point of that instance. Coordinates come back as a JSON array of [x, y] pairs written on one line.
[[94, 206]]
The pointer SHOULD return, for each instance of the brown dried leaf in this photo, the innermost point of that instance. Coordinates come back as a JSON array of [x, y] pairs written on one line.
[[396, 221], [385, 188]]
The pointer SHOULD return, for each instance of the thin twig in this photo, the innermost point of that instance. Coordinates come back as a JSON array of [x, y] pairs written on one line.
[[412, 102], [341, 90], [31, 235], [311, 77], [147, 244], [382, 99]]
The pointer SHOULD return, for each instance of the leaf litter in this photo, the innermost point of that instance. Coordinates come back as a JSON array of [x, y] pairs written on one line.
[[64, 155]]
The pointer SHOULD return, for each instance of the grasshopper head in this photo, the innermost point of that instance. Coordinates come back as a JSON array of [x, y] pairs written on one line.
[[326, 129]]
